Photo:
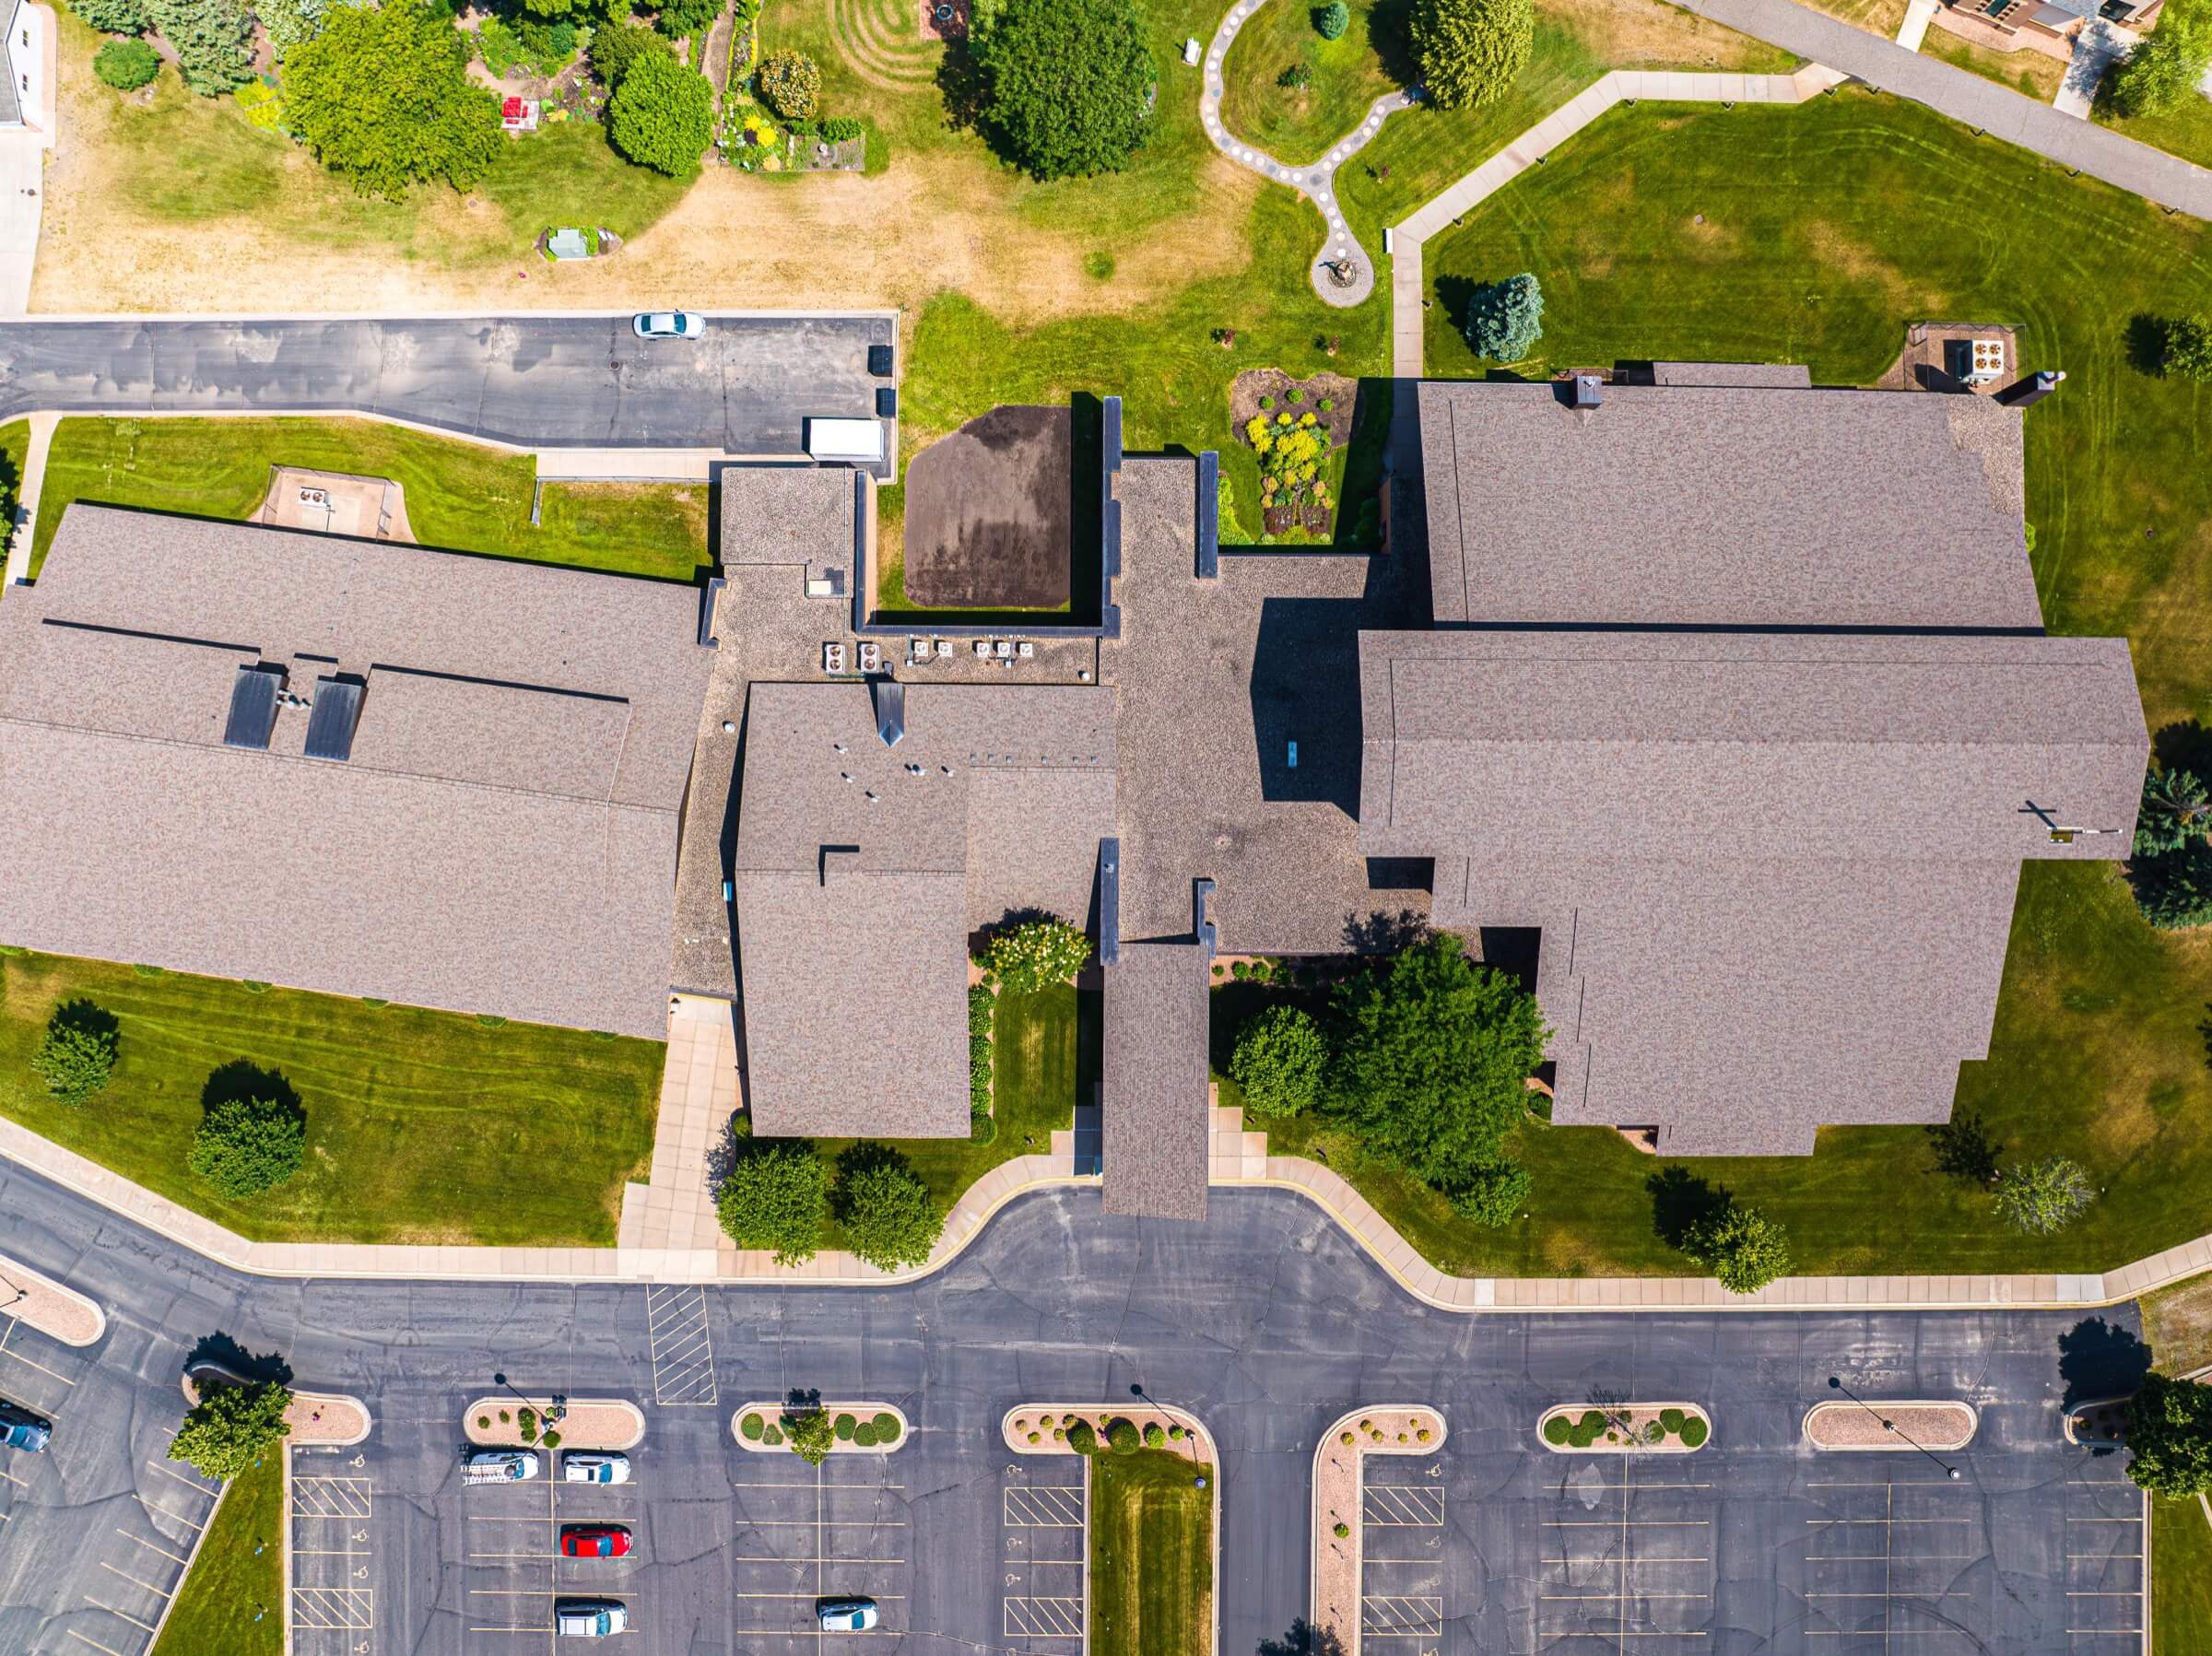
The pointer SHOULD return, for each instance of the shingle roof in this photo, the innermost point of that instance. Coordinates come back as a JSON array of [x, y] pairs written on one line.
[[1733, 505], [1153, 1100], [501, 839], [861, 870]]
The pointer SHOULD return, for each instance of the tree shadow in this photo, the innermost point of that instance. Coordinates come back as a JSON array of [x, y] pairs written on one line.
[[1382, 933], [2205, 1031], [86, 1015], [1302, 1638], [2097, 1359], [801, 1400], [1455, 293], [1679, 1199], [240, 1080], [1390, 39], [1964, 1149], [735, 1142], [2146, 345], [2183, 745], [966, 88], [224, 1352]]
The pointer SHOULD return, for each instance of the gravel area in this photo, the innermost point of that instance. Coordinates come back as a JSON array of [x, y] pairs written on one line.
[[1930, 1424], [63, 1313], [318, 1418], [1044, 1419]]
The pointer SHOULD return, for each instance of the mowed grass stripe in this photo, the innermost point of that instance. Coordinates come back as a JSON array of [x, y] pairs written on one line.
[[1151, 1555]]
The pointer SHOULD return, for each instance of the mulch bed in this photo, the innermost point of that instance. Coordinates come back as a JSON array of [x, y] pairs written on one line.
[[1256, 382]]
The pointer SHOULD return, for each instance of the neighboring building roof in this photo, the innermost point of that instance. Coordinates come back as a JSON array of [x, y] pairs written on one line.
[[500, 838], [1674, 505], [862, 868], [1154, 1102], [1724, 746]]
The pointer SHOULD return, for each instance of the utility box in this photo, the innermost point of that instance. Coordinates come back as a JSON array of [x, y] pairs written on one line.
[[887, 402], [880, 362]]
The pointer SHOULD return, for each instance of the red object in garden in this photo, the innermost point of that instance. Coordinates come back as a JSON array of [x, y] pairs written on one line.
[[510, 109]]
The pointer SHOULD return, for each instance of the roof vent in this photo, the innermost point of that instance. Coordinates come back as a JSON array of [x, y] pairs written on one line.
[[252, 705], [337, 712], [890, 710]]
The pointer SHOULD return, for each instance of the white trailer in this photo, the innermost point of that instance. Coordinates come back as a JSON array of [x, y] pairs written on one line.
[[855, 441]]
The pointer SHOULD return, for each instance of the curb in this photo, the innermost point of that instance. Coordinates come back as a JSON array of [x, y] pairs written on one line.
[[1672, 1445], [2065, 1418], [1973, 1417], [772, 1412], [292, 1438], [497, 1436], [14, 1268], [1341, 1424]]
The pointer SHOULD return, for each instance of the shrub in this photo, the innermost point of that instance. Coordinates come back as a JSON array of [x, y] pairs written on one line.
[[1069, 84], [231, 1426], [679, 20], [2040, 1197], [1082, 1439], [1506, 319], [789, 84], [1280, 1061], [845, 1425], [1471, 50], [114, 17], [842, 129], [1035, 1436], [552, 1439], [1296, 79], [773, 1436], [865, 1435], [617, 46], [1347, 1439], [213, 40], [1330, 21], [1266, 402], [1493, 1194], [750, 1425], [886, 1427], [483, 1423], [1693, 1432], [1037, 953], [1557, 1428], [775, 1196], [77, 1055], [382, 97], [1744, 1249], [1342, 1530], [1240, 970], [528, 1420], [812, 1434], [1121, 1436], [982, 1128], [2174, 891], [1326, 405], [1653, 1432], [2174, 811], [2188, 340], [247, 1145], [889, 1216], [1672, 1419], [1176, 1434], [126, 65], [663, 115], [1156, 1436]]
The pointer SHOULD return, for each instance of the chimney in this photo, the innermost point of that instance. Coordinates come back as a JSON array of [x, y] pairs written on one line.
[[2026, 392], [1588, 390], [890, 710]]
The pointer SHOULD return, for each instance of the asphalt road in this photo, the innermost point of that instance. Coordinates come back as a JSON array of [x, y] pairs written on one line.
[[1265, 1320], [534, 381]]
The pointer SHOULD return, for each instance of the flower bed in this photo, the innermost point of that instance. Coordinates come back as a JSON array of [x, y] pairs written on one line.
[[1910, 1426], [1044, 1429], [2101, 1420], [863, 1429], [1629, 1428], [508, 1422]]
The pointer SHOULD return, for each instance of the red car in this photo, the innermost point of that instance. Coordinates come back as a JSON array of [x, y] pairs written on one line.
[[594, 1541]]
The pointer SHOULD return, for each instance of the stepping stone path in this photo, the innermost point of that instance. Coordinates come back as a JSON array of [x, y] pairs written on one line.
[[1316, 180]]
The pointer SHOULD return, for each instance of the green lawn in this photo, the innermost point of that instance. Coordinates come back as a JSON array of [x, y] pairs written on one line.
[[2188, 130], [1151, 1555], [215, 1607], [1349, 75], [2181, 1579], [425, 1127], [459, 495]]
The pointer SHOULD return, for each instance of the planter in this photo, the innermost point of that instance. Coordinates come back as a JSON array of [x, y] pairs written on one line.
[[590, 1423], [326, 1420], [1389, 1429], [758, 1427], [1851, 1427], [1627, 1429], [2101, 1422], [1040, 1428]]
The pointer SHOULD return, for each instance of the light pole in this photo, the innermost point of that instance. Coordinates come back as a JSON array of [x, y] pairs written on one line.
[[1835, 1383], [1136, 1389], [16, 1296]]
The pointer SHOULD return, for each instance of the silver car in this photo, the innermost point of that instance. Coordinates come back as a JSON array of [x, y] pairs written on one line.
[[591, 1467], [669, 324], [589, 1618]]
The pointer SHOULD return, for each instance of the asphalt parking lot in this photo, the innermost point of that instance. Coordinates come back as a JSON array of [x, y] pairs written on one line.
[[1402, 1600], [510, 1540], [803, 1534], [1045, 1543]]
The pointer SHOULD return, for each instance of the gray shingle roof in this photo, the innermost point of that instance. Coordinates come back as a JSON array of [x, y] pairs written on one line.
[[502, 838], [1153, 1100], [1732, 505], [861, 869]]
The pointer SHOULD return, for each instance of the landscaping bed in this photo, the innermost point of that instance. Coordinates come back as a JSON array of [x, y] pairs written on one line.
[[863, 1429], [506, 1421], [1043, 1429], [1338, 1482], [2100, 1420], [1627, 1429], [231, 1599], [1151, 1555], [1928, 1426]]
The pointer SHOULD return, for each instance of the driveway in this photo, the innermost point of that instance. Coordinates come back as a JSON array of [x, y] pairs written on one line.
[[2096, 49], [533, 380]]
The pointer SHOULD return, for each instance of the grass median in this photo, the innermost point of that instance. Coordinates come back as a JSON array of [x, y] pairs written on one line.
[[2181, 1579], [216, 1605], [1151, 1555], [422, 1127]]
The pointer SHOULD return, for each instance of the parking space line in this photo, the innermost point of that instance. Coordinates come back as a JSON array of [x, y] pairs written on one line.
[[17, 1482], [193, 1484], [5, 1350], [112, 1611], [133, 1581], [149, 1546], [95, 1643]]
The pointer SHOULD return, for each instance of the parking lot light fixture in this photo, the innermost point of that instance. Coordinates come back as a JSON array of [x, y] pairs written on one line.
[[1836, 1384]]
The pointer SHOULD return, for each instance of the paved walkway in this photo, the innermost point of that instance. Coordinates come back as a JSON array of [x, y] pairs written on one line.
[[1914, 28], [1342, 272], [27, 497], [1409, 287], [2096, 49]]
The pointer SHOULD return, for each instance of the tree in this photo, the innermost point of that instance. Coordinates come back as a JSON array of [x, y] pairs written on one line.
[[1432, 1057], [789, 84], [1069, 84], [113, 17], [214, 41], [888, 1216], [1036, 954], [231, 1426], [682, 20], [1494, 1194], [1471, 50], [2174, 891], [775, 1197], [382, 97], [291, 22], [78, 1053], [1506, 319], [1280, 1061], [663, 115], [1743, 1248], [2039, 1197], [2174, 811], [2188, 346], [2170, 1437], [2159, 76], [812, 1433], [247, 1145], [126, 65], [1330, 21], [616, 46], [1083, 1438]]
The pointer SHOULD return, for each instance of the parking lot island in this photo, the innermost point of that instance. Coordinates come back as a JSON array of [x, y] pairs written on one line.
[[320, 1419], [46, 1305], [1625, 1428], [1042, 1429], [863, 1429], [588, 1422], [1340, 1507], [1895, 1427]]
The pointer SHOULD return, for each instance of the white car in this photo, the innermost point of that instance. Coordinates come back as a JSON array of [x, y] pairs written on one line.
[[500, 1467], [595, 1468], [844, 1615], [669, 324], [589, 1618]]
